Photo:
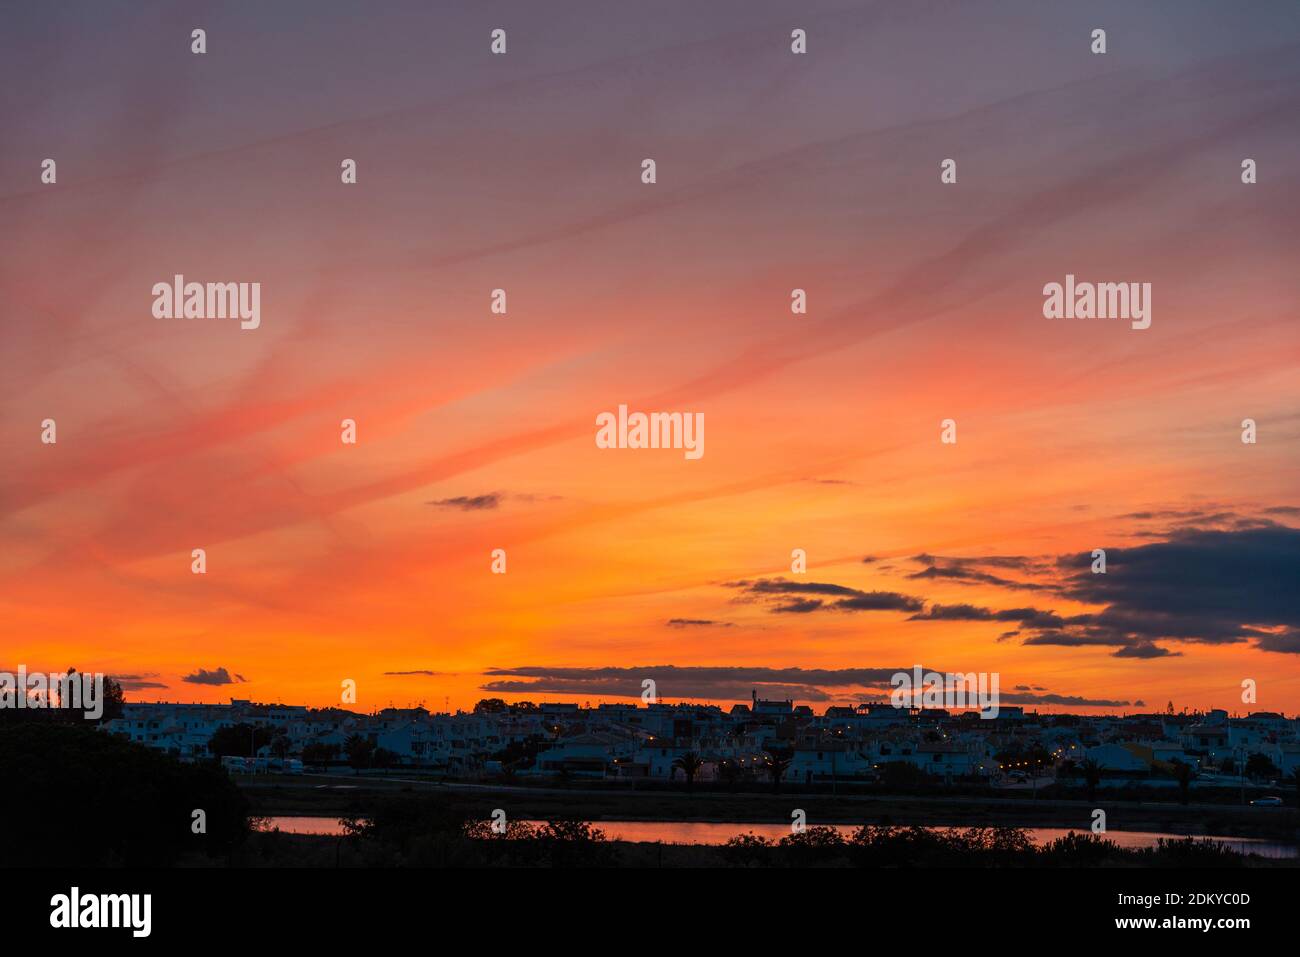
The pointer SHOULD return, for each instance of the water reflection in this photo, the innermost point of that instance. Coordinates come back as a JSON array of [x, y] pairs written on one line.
[[708, 832]]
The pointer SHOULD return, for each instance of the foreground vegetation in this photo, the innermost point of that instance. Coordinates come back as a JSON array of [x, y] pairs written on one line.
[[874, 846], [428, 834], [74, 796]]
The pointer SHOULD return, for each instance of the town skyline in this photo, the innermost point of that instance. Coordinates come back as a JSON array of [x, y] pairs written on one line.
[[1029, 707], [626, 741]]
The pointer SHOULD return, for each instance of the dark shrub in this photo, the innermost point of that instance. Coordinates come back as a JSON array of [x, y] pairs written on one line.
[[77, 796]]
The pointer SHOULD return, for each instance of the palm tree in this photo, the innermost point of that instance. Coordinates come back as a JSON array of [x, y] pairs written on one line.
[[360, 751], [777, 762], [1091, 776], [689, 763]]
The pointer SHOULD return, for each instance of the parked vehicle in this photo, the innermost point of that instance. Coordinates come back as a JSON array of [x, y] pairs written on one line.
[[1271, 800]]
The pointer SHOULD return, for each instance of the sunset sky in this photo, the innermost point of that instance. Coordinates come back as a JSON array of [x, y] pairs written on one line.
[[776, 171]]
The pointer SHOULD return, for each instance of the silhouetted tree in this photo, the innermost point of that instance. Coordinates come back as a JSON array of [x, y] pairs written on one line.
[[114, 699], [689, 763], [60, 708], [777, 763], [360, 751], [316, 753], [1091, 776], [731, 772], [902, 774], [1260, 766], [1183, 775], [240, 740]]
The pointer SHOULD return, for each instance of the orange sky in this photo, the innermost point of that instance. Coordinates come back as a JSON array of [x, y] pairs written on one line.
[[328, 562]]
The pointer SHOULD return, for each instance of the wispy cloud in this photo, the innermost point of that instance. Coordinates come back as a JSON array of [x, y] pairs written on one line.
[[692, 681], [219, 676], [470, 503], [138, 682], [722, 683], [781, 595]]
